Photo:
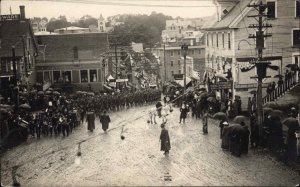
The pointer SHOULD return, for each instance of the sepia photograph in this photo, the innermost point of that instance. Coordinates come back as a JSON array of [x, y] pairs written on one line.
[[149, 93]]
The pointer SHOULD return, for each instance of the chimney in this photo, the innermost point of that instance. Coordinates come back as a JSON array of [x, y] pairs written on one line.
[[22, 12]]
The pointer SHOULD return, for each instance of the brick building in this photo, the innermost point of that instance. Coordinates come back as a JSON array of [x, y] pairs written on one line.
[[72, 59], [174, 61], [16, 31]]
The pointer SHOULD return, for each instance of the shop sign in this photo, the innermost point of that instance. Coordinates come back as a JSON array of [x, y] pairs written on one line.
[[221, 85], [10, 17]]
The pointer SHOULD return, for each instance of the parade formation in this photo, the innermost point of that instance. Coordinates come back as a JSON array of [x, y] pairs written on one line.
[[135, 99]]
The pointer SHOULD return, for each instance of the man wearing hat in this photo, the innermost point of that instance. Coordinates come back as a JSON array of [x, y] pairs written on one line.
[[164, 139]]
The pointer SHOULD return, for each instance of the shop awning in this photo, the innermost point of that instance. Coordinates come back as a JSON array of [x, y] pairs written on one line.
[[181, 82]]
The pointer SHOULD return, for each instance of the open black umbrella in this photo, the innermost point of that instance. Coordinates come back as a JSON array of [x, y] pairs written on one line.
[[271, 104], [240, 118], [278, 76], [253, 92], [25, 106], [48, 92], [267, 110], [292, 66], [220, 116], [290, 120], [56, 93], [276, 113], [40, 93], [212, 99]]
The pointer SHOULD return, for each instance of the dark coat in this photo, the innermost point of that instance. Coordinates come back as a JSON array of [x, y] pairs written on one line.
[[105, 120], [165, 140], [183, 112], [225, 137], [91, 120]]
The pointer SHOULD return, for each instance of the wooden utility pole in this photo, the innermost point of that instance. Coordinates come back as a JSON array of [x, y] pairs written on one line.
[[184, 49], [261, 65]]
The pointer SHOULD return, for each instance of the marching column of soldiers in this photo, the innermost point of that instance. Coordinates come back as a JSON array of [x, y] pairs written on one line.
[[67, 112]]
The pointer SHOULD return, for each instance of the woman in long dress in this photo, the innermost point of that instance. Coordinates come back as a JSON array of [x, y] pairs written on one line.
[[164, 140], [104, 120]]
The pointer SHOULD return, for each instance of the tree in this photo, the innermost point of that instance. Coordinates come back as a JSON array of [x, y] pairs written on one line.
[[139, 28], [61, 22]]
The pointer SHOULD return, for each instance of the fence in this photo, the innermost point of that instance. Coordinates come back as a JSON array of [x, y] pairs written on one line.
[[280, 90]]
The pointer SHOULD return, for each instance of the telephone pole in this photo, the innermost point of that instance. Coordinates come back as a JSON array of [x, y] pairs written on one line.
[[184, 49], [261, 65]]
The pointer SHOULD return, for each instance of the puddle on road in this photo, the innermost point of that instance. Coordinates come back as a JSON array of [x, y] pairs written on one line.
[[167, 177]]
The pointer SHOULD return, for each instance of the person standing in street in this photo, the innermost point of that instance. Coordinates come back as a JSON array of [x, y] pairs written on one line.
[[183, 113], [205, 123], [104, 120], [91, 120], [165, 144], [223, 122]]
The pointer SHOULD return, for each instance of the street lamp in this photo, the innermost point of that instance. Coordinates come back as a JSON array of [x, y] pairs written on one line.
[[184, 49]]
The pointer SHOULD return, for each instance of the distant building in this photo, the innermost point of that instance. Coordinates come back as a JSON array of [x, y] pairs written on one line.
[[16, 31], [71, 30], [39, 25], [173, 63], [101, 24]]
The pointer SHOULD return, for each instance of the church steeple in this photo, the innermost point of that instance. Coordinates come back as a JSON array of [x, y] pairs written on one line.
[[101, 24]]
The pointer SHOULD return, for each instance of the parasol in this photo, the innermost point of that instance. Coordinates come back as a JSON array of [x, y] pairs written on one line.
[[272, 105]]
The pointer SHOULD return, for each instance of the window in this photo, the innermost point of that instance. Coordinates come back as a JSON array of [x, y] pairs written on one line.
[[172, 72], [207, 39], [84, 76], [271, 9], [66, 76], [192, 51], [223, 40], [178, 52], [56, 76], [93, 75], [178, 62], [75, 50], [171, 53], [39, 40], [200, 51], [297, 9], [171, 63], [217, 40], [296, 37], [229, 41], [212, 40], [179, 71], [47, 76]]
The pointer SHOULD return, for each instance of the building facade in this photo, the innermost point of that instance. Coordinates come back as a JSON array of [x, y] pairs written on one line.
[[72, 59], [230, 49], [16, 32], [171, 61]]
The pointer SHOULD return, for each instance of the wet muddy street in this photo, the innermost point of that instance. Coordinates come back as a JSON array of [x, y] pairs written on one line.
[[195, 158]]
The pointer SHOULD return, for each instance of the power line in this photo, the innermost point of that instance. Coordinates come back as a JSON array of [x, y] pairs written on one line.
[[124, 4]]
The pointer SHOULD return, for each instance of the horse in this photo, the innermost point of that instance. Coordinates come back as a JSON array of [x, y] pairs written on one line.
[[165, 111]]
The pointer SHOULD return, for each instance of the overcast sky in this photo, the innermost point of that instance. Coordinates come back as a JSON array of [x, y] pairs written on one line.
[[55, 8]]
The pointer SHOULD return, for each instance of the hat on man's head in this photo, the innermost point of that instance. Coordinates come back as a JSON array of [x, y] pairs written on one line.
[[225, 123]]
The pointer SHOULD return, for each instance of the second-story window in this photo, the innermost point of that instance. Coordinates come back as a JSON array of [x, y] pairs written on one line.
[[75, 51], [178, 52], [207, 39], [296, 37], [171, 63], [171, 53], [271, 9], [212, 40], [217, 39], [178, 62], [229, 41], [297, 9], [192, 52], [223, 40]]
